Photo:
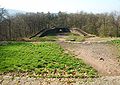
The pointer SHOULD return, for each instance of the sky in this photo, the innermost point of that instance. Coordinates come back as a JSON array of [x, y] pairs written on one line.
[[69, 6]]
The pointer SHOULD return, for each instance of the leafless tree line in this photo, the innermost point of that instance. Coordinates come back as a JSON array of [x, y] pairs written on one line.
[[25, 25]]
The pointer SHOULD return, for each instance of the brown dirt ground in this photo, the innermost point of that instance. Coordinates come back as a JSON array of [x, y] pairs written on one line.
[[100, 55]]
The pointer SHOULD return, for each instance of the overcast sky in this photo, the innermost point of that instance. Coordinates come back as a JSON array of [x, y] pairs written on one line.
[[95, 6]]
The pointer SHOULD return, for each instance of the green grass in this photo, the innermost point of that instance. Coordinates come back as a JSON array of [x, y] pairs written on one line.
[[116, 42], [42, 59], [76, 38], [46, 38]]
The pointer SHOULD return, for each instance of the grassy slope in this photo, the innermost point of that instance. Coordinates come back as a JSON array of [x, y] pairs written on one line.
[[42, 59]]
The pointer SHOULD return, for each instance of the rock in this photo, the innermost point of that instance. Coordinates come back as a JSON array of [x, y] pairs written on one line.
[[102, 59]]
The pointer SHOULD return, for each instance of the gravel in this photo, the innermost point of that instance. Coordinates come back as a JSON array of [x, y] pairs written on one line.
[[106, 80]]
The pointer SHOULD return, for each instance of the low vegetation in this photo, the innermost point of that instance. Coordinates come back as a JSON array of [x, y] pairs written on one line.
[[117, 44], [76, 38], [46, 38], [42, 59]]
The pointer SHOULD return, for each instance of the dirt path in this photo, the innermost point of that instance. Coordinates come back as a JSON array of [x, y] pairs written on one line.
[[9, 80], [101, 56]]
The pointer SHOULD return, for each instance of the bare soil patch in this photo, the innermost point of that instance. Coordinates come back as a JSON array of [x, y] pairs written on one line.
[[101, 56]]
